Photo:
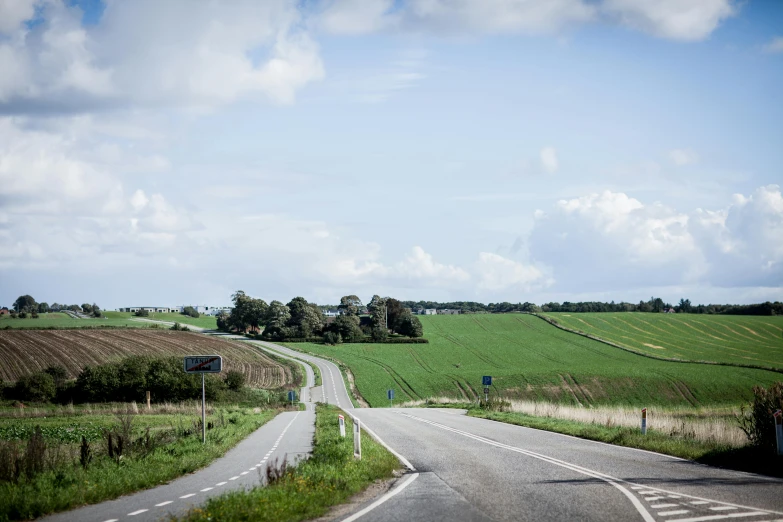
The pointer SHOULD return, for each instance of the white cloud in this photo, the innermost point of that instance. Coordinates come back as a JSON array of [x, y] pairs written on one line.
[[683, 156], [357, 16], [675, 19], [775, 45], [420, 265], [139, 200], [611, 240], [549, 159], [146, 52], [14, 12], [497, 273]]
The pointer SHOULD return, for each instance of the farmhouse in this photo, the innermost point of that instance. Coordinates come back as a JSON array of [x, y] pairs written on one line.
[[331, 313], [429, 311], [4, 311], [448, 312]]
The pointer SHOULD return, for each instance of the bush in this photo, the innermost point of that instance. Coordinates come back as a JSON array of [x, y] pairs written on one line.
[[22, 315], [332, 338], [34, 315], [189, 310], [38, 387], [179, 328], [756, 419], [142, 313], [235, 380], [14, 315], [379, 335]]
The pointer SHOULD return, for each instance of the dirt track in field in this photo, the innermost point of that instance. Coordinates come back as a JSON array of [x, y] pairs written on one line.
[[24, 352]]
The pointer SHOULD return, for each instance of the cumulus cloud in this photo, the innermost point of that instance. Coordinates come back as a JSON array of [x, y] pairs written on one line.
[[775, 45], [14, 12], [611, 240], [675, 19], [683, 157], [549, 159], [357, 16], [146, 52], [498, 273]]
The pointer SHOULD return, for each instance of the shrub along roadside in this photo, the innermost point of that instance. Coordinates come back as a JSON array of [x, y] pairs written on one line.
[[104, 478], [328, 478]]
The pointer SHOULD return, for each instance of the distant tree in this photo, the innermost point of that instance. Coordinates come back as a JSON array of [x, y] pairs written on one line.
[[58, 373], [55, 307], [190, 311], [347, 326], [395, 311], [277, 314], [38, 387], [142, 312], [96, 310], [410, 326], [34, 314], [306, 318], [377, 309], [379, 334], [24, 303], [43, 308], [222, 321], [87, 308], [350, 305], [685, 306], [332, 338], [22, 315]]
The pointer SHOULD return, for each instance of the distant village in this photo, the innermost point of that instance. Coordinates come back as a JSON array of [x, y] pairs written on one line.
[[217, 310]]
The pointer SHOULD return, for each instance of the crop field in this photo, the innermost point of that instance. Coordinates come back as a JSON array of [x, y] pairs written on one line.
[[114, 319], [530, 359], [735, 339], [27, 351]]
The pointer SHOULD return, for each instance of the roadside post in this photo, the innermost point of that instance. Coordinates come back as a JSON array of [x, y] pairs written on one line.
[[357, 439], [149, 407], [203, 364], [341, 421], [778, 415], [291, 397], [644, 421], [390, 396], [487, 382]]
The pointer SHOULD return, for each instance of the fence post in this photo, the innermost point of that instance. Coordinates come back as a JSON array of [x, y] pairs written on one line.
[[341, 421], [778, 416], [644, 421], [357, 438]]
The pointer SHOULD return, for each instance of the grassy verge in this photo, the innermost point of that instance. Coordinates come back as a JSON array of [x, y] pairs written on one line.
[[706, 452], [328, 478], [69, 485]]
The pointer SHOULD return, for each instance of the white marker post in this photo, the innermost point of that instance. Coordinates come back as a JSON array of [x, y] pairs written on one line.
[[644, 421], [357, 439], [203, 364], [341, 421], [778, 415]]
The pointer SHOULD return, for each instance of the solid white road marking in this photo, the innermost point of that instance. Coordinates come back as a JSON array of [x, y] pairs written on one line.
[[164, 503], [662, 506], [677, 512], [221, 483], [382, 443], [584, 471], [112, 520], [188, 495], [206, 489], [139, 512], [652, 499], [383, 499], [719, 517], [699, 502], [722, 508]]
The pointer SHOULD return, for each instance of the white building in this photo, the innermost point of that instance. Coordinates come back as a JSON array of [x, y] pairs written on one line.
[[430, 311]]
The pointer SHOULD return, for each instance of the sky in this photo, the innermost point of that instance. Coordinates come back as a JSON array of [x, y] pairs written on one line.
[[167, 153]]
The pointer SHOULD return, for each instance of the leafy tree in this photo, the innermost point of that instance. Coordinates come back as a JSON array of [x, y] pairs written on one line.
[[235, 380], [24, 303], [410, 326], [96, 310], [43, 308], [87, 308], [306, 319], [332, 338], [350, 305], [395, 311], [347, 327], [685, 306], [22, 315], [377, 309], [38, 387], [58, 373], [222, 321], [247, 312], [379, 334], [142, 312], [190, 311]]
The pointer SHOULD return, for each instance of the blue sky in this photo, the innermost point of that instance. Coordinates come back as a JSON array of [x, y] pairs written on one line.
[[171, 153]]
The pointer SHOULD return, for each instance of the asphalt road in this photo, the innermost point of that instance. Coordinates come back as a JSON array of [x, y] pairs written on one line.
[[474, 469]]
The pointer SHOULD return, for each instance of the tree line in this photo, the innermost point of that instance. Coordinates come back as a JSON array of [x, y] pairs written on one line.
[[300, 320], [26, 305]]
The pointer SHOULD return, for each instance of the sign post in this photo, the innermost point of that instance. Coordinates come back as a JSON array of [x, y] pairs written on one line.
[[487, 382], [778, 415], [390, 395], [203, 364], [644, 421], [291, 397], [341, 421], [357, 439]]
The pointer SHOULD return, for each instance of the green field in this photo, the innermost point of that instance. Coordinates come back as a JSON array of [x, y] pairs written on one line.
[[116, 319], [734, 339], [531, 359]]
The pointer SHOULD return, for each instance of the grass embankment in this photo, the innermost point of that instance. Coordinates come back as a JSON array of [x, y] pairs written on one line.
[[330, 477], [726, 339], [57, 320], [203, 321], [683, 445], [530, 359], [68, 484]]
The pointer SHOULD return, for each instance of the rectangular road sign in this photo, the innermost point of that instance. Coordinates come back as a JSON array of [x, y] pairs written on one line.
[[486, 380], [203, 364], [291, 395], [390, 394]]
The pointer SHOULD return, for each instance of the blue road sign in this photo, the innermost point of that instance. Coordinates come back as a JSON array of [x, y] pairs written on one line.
[[486, 380], [291, 395], [390, 394]]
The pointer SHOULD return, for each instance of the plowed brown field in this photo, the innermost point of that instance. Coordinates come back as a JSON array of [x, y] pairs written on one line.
[[24, 352]]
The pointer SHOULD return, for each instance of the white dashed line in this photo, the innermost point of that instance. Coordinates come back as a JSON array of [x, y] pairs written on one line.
[[188, 495], [164, 503], [234, 478], [139, 512], [699, 502], [112, 520], [244, 473], [206, 489], [662, 506], [669, 513], [221, 483], [722, 508], [651, 499]]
